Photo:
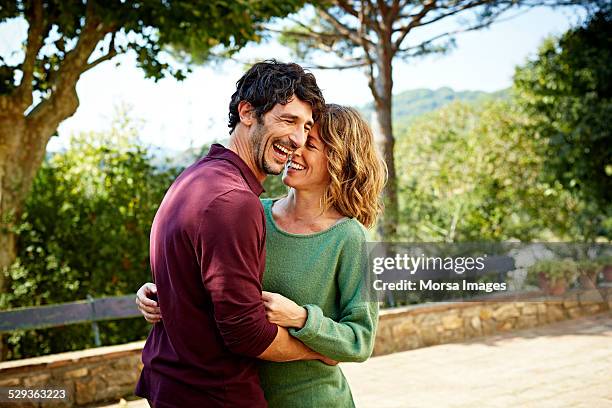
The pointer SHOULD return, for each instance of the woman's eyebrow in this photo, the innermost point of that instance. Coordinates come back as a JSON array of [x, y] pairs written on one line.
[[313, 139]]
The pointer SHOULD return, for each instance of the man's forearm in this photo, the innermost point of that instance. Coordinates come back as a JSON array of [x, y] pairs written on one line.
[[287, 348]]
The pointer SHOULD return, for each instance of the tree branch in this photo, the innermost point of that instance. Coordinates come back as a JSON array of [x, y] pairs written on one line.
[[427, 7], [34, 44], [453, 12], [63, 101], [346, 6], [358, 64], [112, 53], [347, 32], [483, 24], [368, 57]]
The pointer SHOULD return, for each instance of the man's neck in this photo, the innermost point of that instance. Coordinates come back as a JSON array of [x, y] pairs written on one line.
[[239, 145]]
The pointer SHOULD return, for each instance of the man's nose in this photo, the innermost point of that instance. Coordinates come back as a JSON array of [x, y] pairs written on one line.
[[298, 138]]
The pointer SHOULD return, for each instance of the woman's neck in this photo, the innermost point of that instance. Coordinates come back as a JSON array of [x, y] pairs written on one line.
[[301, 212]]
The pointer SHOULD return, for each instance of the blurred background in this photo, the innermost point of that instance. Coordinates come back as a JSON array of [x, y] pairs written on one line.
[[493, 118]]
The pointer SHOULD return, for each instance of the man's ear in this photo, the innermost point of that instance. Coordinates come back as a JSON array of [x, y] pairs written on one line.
[[246, 112]]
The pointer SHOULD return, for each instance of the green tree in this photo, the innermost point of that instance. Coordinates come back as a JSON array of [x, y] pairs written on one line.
[[373, 34], [67, 38], [470, 172], [567, 90], [85, 230]]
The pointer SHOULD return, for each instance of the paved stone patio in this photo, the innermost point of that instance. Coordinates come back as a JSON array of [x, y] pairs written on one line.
[[568, 364]]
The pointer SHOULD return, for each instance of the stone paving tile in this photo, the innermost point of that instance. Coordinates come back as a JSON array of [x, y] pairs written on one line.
[[565, 365], [568, 364]]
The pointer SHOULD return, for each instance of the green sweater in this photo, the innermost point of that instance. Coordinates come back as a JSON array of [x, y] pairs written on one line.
[[322, 272]]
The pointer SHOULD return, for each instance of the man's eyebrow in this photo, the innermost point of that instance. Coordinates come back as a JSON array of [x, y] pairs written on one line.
[[288, 116], [309, 122]]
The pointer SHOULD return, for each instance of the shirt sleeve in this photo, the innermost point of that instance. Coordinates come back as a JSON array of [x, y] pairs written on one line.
[[351, 338], [231, 240]]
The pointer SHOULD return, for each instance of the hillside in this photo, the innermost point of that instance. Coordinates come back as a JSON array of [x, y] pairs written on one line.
[[412, 103], [406, 106]]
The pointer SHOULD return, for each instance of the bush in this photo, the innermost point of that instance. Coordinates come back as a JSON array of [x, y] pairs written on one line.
[[554, 270], [85, 230]]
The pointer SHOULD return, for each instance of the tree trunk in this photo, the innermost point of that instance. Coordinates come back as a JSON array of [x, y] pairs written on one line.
[[12, 185], [383, 94], [23, 143]]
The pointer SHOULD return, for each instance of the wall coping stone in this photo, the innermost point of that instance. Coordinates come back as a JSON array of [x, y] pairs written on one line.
[[54, 360]]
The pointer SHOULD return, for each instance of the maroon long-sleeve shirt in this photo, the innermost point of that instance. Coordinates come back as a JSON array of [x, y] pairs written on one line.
[[207, 257]]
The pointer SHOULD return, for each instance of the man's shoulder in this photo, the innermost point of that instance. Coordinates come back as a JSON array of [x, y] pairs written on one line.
[[214, 167], [239, 204], [212, 177]]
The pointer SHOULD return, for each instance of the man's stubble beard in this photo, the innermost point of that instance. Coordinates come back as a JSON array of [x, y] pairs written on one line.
[[259, 149]]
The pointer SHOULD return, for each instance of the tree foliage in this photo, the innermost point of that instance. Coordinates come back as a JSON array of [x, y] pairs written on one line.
[[190, 30], [470, 172], [567, 90], [85, 231], [38, 81], [372, 35]]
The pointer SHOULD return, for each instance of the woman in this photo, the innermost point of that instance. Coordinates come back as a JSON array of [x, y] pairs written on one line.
[[315, 258]]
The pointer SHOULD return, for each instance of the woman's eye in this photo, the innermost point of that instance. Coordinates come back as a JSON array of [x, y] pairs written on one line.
[[311, 145]]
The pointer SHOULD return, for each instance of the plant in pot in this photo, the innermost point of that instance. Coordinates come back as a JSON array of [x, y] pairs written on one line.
[[606, 267], [554, 276], [587, 273]]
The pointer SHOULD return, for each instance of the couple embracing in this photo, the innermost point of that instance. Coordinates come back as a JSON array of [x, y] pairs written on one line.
[[256, 301]]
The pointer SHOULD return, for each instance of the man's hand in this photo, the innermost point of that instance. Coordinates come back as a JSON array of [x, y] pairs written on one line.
[[147, 306], [327, 360], [283, 312]]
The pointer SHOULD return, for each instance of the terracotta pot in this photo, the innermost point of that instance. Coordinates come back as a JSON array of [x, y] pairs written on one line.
[[607, 273], [587, 282], [543, 282], [555, 289]]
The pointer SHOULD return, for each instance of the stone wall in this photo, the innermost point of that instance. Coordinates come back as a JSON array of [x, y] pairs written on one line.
[[417, 326], [109, 373], [89, 376]]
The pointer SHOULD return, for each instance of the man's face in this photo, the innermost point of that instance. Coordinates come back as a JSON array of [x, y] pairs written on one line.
[[284, 129]]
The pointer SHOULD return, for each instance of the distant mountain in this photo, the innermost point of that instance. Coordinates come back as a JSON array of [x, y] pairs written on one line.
[[167, 158], [406, 106], [410, 104]]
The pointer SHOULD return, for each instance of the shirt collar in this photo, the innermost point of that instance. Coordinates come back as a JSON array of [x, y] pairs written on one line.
[[218, 151]]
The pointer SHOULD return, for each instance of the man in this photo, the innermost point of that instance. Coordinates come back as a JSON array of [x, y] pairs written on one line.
[[208, 252]]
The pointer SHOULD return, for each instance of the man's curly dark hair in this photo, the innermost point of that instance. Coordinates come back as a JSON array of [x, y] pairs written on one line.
[[270, 82]]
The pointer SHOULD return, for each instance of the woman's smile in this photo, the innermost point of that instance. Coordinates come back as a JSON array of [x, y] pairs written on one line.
[[295, 166]]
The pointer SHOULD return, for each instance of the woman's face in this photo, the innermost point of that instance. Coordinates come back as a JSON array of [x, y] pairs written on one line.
[[308, 167]]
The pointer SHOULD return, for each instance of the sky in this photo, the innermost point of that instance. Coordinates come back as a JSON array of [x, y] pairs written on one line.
[[177, 115]]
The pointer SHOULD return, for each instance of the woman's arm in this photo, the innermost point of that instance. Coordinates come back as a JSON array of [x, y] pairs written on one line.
[[351, 338]]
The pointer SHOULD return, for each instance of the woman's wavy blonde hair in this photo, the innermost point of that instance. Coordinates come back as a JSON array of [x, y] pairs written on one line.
[[357, 171]]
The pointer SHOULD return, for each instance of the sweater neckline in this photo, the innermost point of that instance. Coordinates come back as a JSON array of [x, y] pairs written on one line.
[[268, 209]]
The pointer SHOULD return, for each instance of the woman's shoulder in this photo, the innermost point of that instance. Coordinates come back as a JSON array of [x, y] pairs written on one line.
[[353, 231], [266, 203]]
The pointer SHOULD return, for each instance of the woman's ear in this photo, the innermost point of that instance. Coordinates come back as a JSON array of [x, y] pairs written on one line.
[[246, 112]]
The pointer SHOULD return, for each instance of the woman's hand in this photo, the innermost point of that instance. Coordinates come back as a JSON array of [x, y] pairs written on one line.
[[283, 312], [147, 306]]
